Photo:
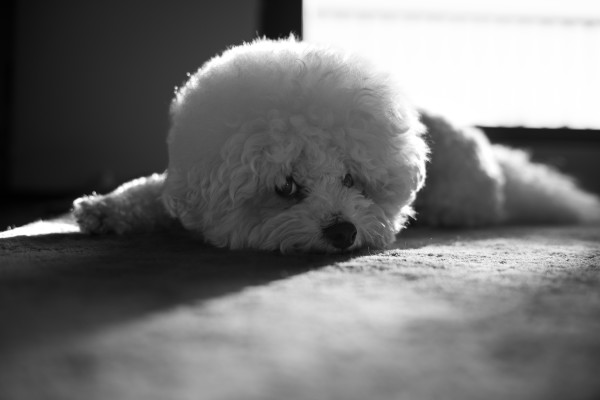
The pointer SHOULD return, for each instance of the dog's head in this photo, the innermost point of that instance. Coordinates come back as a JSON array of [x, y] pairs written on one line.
[[281, 145]]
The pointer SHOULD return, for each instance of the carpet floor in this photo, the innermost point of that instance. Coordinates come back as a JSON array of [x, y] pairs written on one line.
[[503, 313]]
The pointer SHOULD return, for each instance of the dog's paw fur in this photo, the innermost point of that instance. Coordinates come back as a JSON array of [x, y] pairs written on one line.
[[135, 206], [96, 214]]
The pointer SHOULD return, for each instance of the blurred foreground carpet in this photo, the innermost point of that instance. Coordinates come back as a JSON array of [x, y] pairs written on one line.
[[509, 313]]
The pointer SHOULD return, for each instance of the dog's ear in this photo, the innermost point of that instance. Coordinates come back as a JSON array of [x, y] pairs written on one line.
[[199, 198], [242, 167], [242, 184], [183, 196]]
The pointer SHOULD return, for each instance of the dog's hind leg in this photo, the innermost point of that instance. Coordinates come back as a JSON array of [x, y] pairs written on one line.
[[135, 206], [538, 193], [464, 185]]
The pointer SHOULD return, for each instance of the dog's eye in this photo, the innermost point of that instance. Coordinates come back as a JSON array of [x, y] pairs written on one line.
[[348, 181], [288, 189]]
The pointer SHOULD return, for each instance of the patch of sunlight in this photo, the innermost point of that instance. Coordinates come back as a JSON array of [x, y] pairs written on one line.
[[496, 63], [41, 228]]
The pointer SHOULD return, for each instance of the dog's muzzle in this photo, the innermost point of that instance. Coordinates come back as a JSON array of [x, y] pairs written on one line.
[[340, 235]]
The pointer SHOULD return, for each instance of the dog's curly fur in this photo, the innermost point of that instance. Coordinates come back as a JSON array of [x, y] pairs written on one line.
[[283, 145]]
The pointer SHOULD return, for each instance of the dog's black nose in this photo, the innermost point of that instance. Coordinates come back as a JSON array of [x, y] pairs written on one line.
[[341, 235]]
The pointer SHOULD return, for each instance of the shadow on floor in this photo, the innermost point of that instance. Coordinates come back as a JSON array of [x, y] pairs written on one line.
[[61, 285]]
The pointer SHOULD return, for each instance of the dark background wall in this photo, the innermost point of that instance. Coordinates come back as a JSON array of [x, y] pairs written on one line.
[[6, 56], [85, 87], [92, 82]]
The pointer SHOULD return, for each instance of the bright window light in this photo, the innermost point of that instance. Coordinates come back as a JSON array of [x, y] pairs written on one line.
[[533, 63]]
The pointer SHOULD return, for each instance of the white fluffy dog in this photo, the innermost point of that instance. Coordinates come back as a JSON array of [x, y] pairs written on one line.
[[283, 145]]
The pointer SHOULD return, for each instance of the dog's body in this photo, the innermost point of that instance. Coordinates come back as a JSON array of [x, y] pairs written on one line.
[[282, 145]]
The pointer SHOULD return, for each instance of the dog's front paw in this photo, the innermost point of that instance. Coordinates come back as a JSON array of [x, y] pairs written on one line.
[[96, 214]]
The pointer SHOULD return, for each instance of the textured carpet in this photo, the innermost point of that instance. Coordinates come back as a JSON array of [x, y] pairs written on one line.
[[509, 313]]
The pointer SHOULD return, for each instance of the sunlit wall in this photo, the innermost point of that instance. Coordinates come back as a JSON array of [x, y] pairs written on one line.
[[533, 63]]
